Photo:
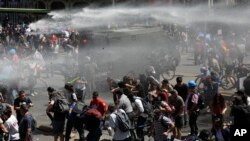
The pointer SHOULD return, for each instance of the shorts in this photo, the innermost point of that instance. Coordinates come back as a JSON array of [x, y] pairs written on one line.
[[179, 121], [58, 127]]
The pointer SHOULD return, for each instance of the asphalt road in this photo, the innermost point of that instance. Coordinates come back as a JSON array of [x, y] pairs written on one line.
[[186, 69]]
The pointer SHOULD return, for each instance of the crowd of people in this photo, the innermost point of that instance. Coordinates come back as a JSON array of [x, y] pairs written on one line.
[[142, 103], [162, 109]]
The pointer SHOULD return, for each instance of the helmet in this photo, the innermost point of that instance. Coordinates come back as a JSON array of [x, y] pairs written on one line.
[[203, 70], [191, 83], [150, 70]]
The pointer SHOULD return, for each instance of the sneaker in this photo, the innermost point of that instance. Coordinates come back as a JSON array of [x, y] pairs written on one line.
[[32, 94]]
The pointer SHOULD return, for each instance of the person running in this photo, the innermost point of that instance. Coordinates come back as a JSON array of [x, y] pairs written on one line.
[[58, 119], [72, 116]]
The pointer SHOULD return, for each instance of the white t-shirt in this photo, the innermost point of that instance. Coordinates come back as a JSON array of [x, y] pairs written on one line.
[[12, 126], [113, 123], [139, 107]]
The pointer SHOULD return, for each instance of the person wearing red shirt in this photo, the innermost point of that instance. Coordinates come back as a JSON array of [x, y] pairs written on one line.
[[98, 103], [101, 106]]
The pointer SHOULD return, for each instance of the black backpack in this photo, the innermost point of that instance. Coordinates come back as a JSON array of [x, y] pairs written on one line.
[[148, 109], [123, 121]]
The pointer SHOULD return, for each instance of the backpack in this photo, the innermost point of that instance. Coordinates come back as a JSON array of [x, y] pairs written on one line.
[[123, 121], [201, 101], [79, 108], [94, 113], [92, 119], [148, 109], [61, 104]]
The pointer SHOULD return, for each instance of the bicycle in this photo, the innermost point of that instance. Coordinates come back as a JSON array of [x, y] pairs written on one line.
[[165, 67]]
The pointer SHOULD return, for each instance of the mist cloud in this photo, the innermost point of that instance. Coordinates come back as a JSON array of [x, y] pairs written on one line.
[[127, 16]]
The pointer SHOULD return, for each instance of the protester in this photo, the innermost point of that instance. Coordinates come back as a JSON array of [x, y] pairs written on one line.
[[192, 107], [178, 113], [80, 89], [11, 125], [93, 121], [113, 122], [166, 85], [125, 104], [162, 126], [100, 105], [218, 107], [182, 90], [21, 100], [71, 115], [50, 91], [25, 126], [140, 114], [58, 118], [3, 128]]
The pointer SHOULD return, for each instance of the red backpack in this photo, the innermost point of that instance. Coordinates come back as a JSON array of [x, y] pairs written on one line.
[[93, 113]]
